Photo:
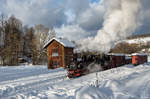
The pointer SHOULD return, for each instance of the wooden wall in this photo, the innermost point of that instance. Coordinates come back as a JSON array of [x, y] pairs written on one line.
[[58, 58], [65, 55]]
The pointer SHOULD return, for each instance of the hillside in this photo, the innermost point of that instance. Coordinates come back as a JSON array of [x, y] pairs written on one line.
[[36, 82], [139, 36], [138, 40], [132, 45]]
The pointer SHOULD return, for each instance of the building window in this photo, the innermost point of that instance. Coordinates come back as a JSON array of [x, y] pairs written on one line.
[[55, 52], [55, 64]]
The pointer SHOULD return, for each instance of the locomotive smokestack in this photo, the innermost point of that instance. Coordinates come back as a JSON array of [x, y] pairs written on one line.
[[120, 21]]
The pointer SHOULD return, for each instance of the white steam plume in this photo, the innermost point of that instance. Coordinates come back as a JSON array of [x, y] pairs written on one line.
[[94, 67], [120, 21]]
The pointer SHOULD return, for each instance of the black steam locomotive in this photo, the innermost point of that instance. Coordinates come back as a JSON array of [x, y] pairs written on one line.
[[87, 64]]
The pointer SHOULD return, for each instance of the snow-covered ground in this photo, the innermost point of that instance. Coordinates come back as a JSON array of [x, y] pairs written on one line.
[[37, 82]]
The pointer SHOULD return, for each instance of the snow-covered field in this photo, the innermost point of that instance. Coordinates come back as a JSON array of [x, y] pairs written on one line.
[[37, 82]]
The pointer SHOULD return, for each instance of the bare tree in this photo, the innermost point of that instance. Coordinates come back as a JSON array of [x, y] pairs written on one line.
[[51, 33], [17, 41], [39, 40], [3, 22], [11, 48]]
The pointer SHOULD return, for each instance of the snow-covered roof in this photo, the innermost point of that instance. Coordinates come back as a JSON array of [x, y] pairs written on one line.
[[141, 54], [128, 55], [116, 54], [64, 42]]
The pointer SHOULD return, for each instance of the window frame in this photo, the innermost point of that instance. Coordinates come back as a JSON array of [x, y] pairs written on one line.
[[55, 52]]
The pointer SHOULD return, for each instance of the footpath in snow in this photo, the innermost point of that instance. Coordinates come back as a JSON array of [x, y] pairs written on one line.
[[37, 82]]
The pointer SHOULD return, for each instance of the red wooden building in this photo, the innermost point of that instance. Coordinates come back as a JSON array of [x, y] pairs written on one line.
[[59, 52]]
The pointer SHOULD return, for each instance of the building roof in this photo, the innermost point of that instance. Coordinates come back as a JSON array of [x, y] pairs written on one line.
[[64, 42], [116, 54], [139, 54]]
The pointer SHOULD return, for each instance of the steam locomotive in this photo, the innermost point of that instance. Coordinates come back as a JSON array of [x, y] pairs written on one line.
[[85, 64], [91, 63]]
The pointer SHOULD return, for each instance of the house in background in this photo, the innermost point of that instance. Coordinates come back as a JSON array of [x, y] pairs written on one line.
[[59, 52]]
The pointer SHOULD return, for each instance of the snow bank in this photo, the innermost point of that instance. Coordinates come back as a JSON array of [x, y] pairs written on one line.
[[37, 82], [119, 83], [91, 92]]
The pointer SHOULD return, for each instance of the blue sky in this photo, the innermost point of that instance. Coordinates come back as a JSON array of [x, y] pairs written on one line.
[[70, 18], [94, 1]]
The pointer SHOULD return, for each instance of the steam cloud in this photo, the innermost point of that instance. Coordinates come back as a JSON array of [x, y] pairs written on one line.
[[94, 67], [120, 21]]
